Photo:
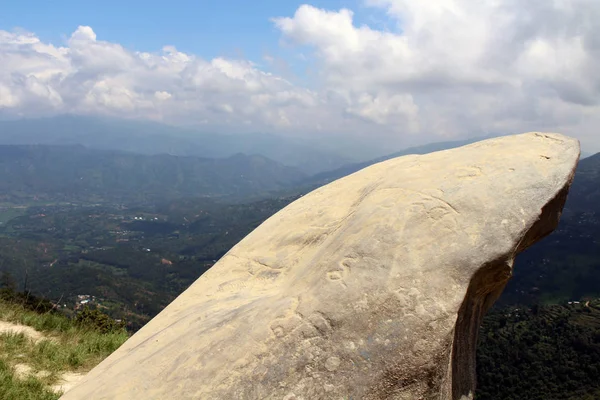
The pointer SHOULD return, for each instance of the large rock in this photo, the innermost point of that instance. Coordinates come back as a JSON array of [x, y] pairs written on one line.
[[372, 287]]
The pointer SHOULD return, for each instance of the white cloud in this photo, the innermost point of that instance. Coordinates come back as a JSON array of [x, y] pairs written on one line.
[[91, 76], [461, 66], [448, 68], [162, 95]]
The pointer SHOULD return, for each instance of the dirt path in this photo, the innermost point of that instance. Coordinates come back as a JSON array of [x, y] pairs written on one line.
[[9, 327], [65, 382]]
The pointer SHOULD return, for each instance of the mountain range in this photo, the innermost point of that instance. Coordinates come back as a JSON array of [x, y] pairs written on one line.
[[566, 265], [152, 139], [76, 173], [92, 159]]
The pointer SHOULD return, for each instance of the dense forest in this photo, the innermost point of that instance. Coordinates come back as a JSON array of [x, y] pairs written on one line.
[[131, 262], [547, 352]]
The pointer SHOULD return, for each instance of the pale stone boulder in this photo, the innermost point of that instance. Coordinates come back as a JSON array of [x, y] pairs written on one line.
[[371, 287]]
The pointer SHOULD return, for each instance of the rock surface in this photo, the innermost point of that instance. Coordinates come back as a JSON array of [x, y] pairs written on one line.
[[371, 287]]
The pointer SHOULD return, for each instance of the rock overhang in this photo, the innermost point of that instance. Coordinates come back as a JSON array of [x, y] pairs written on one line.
[[371, 286]]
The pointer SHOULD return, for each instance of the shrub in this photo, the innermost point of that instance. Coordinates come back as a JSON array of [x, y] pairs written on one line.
[[96, 319]]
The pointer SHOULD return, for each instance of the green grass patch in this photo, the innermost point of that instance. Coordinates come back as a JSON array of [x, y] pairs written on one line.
[[67, 345], [30, 388], [74, 351], [74, 343]]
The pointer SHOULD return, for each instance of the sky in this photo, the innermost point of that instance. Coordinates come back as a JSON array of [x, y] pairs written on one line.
[[415, 71]]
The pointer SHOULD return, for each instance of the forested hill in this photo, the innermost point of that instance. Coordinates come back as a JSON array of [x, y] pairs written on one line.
[[566, 265], [75, 173], [540, 353], [550, 348], [585, 191]]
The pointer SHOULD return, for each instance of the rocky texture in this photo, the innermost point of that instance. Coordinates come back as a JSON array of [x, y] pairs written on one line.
[[371, 287]]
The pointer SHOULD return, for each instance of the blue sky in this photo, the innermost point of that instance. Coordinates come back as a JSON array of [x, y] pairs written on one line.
[[230, 28]]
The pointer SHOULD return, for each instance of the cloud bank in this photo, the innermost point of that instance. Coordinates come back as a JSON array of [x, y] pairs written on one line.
[[450, 68]]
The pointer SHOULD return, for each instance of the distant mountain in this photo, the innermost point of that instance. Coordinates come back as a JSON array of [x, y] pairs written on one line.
[[566, 265], [585, 191], [153, 138], [75, 173], [330, 176]]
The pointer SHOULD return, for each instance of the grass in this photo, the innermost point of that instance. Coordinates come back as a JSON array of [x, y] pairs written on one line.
[[66, 346], [30, 388]]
